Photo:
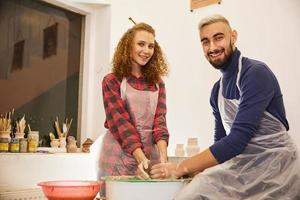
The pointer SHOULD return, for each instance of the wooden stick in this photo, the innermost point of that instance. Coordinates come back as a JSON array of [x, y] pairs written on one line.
[[69, 125], [29, 128], [132, 20], [58, 129], [70, 122]]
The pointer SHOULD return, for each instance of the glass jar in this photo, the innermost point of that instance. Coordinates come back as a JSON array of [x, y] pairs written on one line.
[[14, 145], [23, 145], [4, 144], [33, 141]]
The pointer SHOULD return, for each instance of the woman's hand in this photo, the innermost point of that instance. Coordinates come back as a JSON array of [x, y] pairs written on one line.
[[143, 164], [143, 169], [162, 150], [164, 171]]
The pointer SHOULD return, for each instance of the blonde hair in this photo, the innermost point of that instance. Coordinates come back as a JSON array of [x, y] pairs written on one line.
[[121, 62], [212, 19]]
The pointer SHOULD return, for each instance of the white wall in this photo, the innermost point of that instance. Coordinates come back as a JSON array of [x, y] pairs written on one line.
[[268, 31]]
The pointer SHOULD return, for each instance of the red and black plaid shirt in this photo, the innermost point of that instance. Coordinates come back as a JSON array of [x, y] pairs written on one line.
[[118, 119]]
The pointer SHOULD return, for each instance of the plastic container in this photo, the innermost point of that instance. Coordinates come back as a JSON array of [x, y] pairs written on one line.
[[142, 189], [70, 190]]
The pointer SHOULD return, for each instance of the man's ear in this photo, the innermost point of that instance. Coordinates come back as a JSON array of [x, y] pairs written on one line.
[[234, 36]]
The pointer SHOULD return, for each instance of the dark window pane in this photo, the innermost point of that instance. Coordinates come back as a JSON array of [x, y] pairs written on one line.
[[40, 48]]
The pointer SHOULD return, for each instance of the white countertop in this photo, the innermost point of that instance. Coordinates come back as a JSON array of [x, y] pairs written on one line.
[[25, 170]]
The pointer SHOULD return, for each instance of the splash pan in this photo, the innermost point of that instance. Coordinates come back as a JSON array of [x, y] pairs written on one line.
[[70, 190], [130, 187]]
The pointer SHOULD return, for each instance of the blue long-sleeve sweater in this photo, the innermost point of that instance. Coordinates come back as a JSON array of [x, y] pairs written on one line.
[[260, 92]]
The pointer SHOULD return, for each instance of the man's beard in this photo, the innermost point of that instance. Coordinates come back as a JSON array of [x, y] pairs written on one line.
[[219, 64]]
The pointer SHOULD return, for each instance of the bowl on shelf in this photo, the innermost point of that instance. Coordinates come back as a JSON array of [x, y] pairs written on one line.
[[70, 189]]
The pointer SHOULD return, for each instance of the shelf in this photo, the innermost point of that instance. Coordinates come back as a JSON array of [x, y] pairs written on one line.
[[25, 170]]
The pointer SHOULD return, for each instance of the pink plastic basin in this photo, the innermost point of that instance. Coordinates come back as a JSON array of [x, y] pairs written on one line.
[[70, 190]]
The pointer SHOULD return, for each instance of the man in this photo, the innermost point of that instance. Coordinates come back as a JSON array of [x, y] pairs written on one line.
[[253, 155]]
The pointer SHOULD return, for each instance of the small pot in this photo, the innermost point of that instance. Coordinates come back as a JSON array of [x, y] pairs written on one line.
[[54, 143], [62, 142]]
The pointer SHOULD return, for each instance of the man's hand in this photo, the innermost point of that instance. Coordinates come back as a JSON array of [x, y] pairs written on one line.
[[164, 171]]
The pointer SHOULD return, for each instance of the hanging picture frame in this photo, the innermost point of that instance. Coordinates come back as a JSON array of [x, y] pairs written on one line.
[[202, 3], [18, 55], [50, 41]]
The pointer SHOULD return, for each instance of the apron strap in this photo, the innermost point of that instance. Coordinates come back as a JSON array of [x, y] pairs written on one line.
[[123, 88], [239, 73]]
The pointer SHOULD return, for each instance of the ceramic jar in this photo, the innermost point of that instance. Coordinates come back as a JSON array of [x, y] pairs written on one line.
[[71, 146], [62, 142], [192, 147], [86, 145], [179, 151], [54, 143]]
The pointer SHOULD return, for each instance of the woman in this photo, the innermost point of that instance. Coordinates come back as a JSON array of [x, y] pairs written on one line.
[[135, 106]]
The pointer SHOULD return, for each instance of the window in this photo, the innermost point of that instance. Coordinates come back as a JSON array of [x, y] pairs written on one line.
[[40, 48]]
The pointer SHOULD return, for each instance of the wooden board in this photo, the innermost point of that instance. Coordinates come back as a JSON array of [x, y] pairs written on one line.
[[201, 3]]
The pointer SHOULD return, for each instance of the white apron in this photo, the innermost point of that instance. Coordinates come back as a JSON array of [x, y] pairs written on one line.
[[267, 168]]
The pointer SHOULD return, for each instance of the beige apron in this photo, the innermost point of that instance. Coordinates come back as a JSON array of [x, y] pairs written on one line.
[[141, 106]]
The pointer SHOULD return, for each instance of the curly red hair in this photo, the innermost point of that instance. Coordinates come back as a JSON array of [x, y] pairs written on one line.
[[121, 62]]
